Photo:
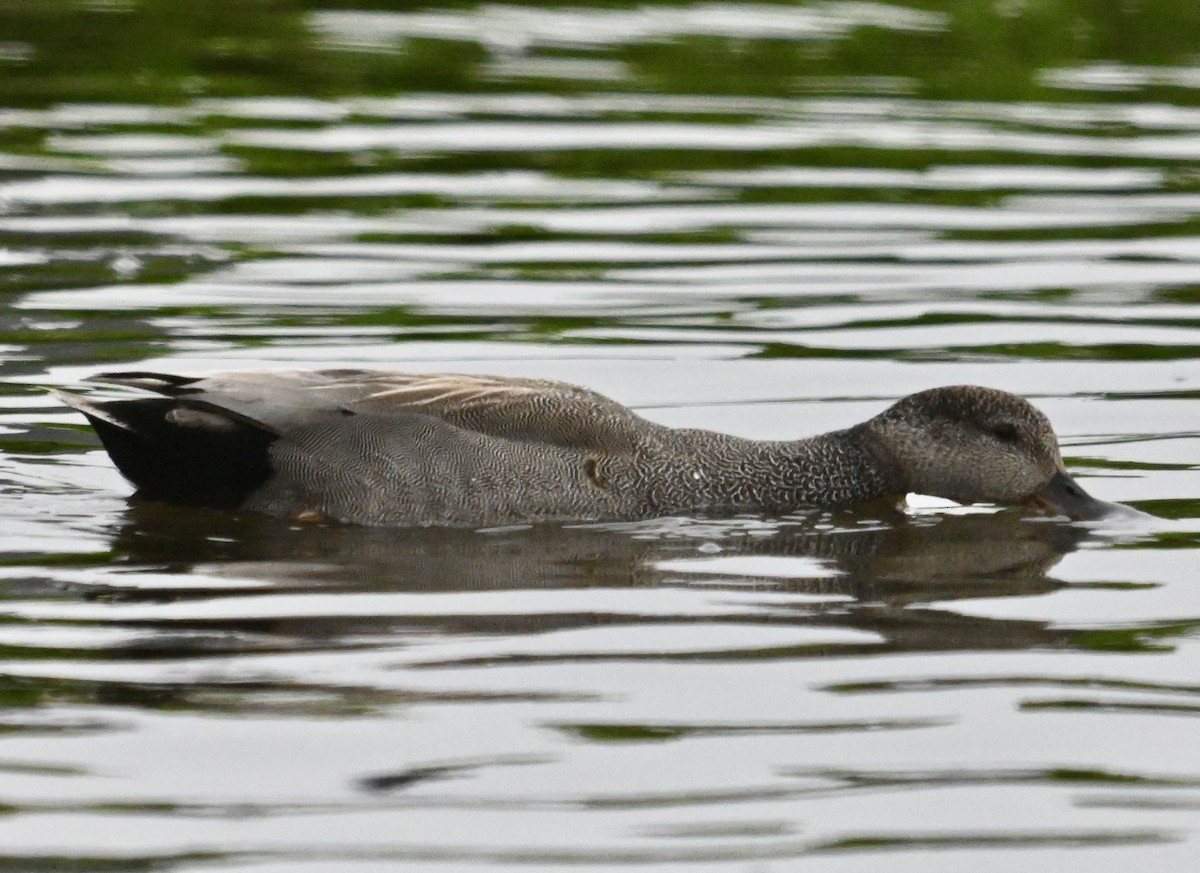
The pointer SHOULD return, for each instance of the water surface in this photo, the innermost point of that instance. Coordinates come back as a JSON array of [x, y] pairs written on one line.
[[768, 219]]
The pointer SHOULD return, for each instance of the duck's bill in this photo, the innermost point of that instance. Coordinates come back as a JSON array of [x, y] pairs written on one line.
[[1063, 495]]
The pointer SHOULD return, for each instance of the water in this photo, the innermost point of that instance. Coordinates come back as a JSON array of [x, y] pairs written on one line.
[[765, 219]]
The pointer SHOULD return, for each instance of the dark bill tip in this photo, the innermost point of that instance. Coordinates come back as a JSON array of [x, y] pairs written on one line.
[[1063, 495]]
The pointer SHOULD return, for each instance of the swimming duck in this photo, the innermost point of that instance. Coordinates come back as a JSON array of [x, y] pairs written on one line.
[[381, 448]]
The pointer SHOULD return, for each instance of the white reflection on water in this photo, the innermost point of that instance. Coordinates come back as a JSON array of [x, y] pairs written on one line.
[[192, 186], [946, 178], [814, 132], [513, 28]]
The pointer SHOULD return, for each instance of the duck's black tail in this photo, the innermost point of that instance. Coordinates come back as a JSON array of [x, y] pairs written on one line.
[[181, 454]]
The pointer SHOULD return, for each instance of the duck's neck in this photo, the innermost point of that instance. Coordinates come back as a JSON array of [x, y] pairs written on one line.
[[840, 468]]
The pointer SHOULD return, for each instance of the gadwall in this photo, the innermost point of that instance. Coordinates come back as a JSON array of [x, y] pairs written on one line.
[[381, 448]]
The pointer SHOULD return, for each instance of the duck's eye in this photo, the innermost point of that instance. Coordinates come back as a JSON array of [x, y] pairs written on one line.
[[1006, 431]]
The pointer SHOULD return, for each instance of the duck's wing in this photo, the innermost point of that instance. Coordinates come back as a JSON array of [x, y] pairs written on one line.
[[532, 410]]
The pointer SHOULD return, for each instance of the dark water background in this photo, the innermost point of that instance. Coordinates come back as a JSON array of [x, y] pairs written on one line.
[[769, 218]]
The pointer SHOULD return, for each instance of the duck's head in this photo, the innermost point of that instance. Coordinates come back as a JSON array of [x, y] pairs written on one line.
[[980, 445]]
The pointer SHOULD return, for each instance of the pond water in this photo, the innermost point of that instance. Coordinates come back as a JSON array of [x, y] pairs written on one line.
[[768, 219]]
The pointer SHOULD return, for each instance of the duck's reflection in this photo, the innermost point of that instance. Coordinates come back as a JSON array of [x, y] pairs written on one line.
[[888, 565]]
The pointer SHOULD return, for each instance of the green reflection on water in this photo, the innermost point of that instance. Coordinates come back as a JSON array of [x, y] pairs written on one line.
[[1133, 639], [163, 51]]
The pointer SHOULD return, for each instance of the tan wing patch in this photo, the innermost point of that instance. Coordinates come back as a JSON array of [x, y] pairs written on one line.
[[436, 389], [534, 410]]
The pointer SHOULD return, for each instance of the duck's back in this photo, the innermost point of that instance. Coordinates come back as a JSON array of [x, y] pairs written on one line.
[[375, 448]]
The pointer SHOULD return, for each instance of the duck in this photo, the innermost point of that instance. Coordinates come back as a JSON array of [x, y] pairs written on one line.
[[380, 448]]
